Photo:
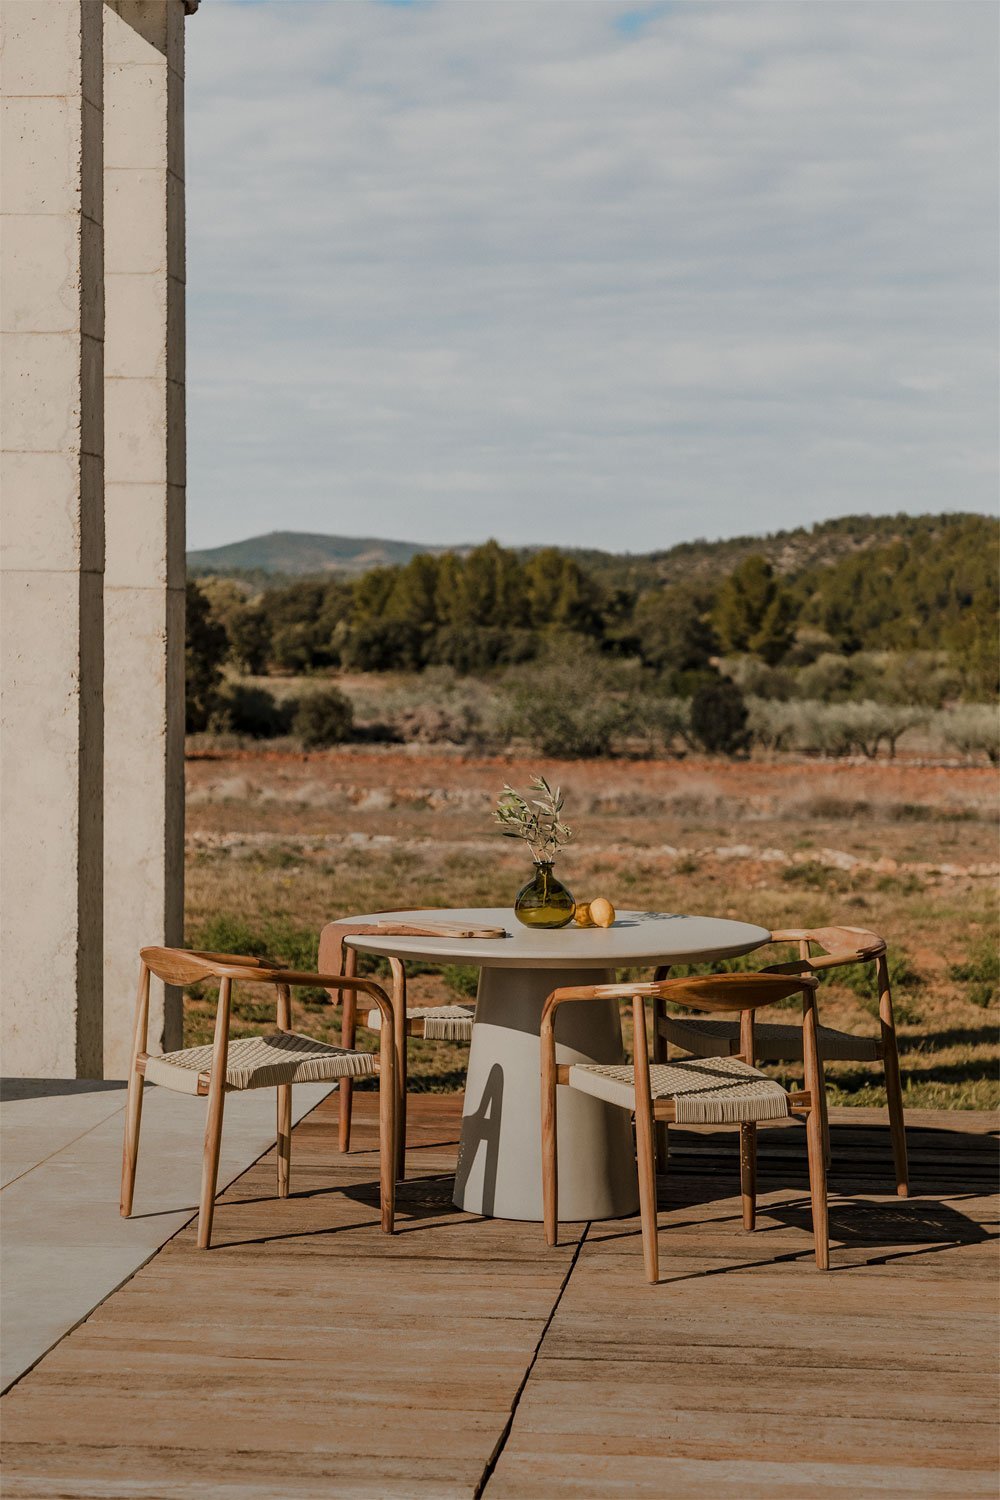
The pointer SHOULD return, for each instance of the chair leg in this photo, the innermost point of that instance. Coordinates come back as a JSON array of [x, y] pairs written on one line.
[[284, 1153], [213, 1119], [824, 1118], [399, 1022], [133, 1107], [646, 1167], [345, 1088], [897, 1126], [748, 1174], [387, 1136], [550, 1157], [210, 1160], [661, 1129], [130, 1146], [817, 1188], [893, 1085]]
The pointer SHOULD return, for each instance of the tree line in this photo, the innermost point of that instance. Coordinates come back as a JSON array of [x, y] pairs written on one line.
[[494, 607]]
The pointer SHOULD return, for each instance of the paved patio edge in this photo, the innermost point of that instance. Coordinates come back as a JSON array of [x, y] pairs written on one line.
[[65, 1247]]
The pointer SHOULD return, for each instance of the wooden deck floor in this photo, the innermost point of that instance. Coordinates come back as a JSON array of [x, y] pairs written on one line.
[[307, 1355]]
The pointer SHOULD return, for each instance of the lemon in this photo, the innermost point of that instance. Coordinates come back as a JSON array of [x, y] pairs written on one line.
[[582, 915], [602, 913]]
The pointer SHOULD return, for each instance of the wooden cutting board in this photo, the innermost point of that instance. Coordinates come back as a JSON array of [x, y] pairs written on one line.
[[422, 929]]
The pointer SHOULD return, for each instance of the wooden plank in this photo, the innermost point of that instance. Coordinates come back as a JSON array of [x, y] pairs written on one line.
[[309, 1355], [749, 1373], [586, 1471]]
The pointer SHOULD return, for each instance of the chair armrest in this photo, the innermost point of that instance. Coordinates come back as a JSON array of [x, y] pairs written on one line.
[[821, 961], [330, 982], [736, 992], [721, 992], [647, 987]]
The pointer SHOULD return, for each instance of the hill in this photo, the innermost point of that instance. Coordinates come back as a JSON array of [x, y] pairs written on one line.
[[790, 553], [298, 554]]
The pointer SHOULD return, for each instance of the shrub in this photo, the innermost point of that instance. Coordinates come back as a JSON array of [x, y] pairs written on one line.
[[926, 678], [825, 729], [830, 678], [815, 876], [973, 729], [832, 728], [275, 938], [452, 723], [980, 972], [573, 702], [755, 678], [719, 717], [902, 974], [462, 980], [661, 720], [241, 709], [323, 718], [771, 724], [868, 725], [565, 723]]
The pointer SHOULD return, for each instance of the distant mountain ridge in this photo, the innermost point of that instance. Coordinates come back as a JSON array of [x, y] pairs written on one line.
[[301, 554], [298, 554]]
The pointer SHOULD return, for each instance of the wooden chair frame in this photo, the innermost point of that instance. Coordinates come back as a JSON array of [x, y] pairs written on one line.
[[745, 993], [841, 946], [334, 953], [182, 966]]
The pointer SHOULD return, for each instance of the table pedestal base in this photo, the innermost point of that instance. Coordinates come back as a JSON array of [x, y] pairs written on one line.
[[499, 1169]]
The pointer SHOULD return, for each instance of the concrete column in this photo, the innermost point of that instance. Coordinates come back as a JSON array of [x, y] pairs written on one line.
[[51, 607], [144, 508]]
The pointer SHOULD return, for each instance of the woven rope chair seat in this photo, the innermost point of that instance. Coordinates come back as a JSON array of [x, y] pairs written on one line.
[[261, 1062], [442, 1023], [773, 1042], [723, 1091]]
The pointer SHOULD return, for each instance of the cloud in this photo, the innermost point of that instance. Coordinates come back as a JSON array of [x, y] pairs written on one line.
[[607, 275]]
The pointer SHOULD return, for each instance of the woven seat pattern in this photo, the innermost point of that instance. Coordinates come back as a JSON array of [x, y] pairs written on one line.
[[442, 1023], [260, 1062], [723, 1091], [772, 1042]]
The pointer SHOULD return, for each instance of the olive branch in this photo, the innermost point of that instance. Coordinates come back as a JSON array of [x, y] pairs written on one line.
[[538, 822]]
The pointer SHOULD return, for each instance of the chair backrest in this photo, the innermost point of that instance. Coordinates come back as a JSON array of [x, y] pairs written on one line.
[[846, 942], [189, 965], [729, 992], [336, 957], [700, 992]]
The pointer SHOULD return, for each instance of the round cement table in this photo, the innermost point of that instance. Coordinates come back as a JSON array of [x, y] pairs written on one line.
[[499, 1169]]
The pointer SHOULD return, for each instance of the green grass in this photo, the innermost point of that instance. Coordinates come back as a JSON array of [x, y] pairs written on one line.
[[980, 973]]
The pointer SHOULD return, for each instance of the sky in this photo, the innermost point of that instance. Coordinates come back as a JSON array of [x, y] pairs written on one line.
[[598, 274]]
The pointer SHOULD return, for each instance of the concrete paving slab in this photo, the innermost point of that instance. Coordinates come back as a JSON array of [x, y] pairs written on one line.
[[63, 1245], [37, 1128]]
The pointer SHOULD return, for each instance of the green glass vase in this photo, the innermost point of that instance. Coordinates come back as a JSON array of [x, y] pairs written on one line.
[[544, 901]]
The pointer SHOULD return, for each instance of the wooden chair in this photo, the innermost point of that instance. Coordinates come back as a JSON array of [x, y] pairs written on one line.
[[277, 1060], [443, 1023], [775, 1042], [723, 1090]]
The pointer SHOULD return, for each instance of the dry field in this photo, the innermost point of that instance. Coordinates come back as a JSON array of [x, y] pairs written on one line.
[[278, 843]]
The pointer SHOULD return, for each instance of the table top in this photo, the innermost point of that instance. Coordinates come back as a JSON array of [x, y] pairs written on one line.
[[636, 938]]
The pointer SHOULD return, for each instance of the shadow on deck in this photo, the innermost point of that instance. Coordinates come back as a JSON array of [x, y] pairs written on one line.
[[307, 1355]]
